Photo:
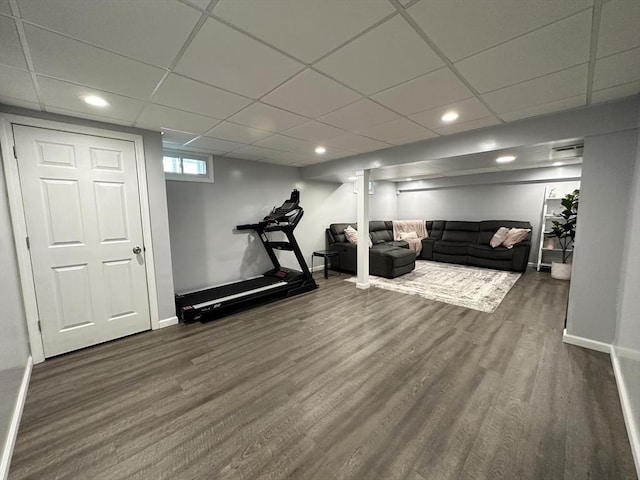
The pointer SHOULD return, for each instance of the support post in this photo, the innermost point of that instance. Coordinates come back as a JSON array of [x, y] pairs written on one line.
[[362, 177]]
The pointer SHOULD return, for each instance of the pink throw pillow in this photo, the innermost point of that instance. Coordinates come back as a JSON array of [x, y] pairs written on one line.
[[499, 237], [515, 235]]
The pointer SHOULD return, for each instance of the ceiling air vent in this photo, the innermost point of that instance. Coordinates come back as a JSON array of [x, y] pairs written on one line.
[[567, 151]]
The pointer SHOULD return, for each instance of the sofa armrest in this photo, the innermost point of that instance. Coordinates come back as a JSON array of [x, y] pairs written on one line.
[[427, 248], [520, 258]]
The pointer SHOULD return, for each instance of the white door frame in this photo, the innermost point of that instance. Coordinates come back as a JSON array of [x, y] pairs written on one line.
[[18, 220]]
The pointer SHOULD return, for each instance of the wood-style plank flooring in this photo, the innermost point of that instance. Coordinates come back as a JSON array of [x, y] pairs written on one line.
[[336, 384]]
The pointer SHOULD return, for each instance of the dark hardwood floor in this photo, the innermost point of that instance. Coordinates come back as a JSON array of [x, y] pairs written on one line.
[[336, 384]]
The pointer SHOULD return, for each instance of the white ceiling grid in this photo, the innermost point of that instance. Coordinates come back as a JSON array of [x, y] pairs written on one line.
[[269, 80]]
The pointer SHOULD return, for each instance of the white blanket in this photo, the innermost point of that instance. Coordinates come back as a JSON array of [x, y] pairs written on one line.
[[407, 226]]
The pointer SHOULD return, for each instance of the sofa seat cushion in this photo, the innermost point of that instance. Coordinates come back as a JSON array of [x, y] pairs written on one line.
[[397, 256], [451, 248], [486, 251]]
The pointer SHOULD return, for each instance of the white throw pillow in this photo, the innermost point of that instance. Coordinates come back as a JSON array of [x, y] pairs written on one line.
[[352, 235], [406, 235], [499, 237]]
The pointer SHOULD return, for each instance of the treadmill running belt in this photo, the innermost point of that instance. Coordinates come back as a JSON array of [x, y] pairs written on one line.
[[228, 290]]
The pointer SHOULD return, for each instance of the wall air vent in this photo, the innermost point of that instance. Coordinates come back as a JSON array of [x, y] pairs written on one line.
[[567, 151]]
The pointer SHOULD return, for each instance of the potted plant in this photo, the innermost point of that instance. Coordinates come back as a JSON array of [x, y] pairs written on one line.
[[565, 231]]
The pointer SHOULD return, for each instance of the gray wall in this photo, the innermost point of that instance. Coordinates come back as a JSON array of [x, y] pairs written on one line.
[[489, 200], [14, 343], [626, 343], [607, 171], [206, 250], [157, 199]]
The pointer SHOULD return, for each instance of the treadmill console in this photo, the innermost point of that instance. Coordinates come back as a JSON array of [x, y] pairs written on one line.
[[290, 212]]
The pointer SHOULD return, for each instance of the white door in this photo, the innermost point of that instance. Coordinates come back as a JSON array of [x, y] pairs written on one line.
[[82, 209]]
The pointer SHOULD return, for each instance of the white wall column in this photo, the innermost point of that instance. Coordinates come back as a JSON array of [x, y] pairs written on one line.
[[362, 179]]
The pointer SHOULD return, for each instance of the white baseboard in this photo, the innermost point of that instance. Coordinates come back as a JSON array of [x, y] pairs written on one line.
[[5, 461], [586, 342], [167, 322], [363, 286], [633, 429]]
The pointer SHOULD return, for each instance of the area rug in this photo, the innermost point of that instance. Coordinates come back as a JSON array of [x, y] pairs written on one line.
[[471, 287]]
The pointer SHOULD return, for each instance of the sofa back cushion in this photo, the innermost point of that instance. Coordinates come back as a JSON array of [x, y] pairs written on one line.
[[337, 230], [489, 227], [380, 231], [461, 231], [435, 229]]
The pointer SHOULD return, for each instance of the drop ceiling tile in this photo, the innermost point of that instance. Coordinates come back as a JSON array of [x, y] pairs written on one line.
[[469, 109], [157, 117], [429, 91], [531, 55], [199, 4], [237, 133], [362, 114], [152, 33], [215, 144], [557, 86], [354, 143], [466, 126], [259, 152], [393, 130], [389, 54], [310, 94], [196, 97], [621, 91], [374, 147], [287, 144], [617, 69], [427, 134], [619, 27], [242, 156], [462, 28], [222, 56], [11, 52], [65, 95], [189, 148], [176, 137], [88, 116], [308, 29], [314, 132], [544, 108], [266, 117], [17, 84], [66, 59], [14, 102], [5, 7], [283, 158]]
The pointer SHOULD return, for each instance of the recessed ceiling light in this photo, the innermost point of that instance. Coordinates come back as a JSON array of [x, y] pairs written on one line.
[[352, 178], [96, 101], [505, 159], [450, 116], [557, 164], [320, 150], [409, 179]]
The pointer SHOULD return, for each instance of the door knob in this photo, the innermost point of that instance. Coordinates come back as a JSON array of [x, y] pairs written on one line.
[[137, 250]]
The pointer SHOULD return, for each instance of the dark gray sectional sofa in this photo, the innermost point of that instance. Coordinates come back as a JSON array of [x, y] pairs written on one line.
[[467, 243], [387, 258], [464, 243]]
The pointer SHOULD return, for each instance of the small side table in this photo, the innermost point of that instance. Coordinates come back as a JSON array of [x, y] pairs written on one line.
[[326, 254]]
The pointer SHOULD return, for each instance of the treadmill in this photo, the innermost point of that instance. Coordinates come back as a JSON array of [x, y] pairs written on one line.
[[280, 282]]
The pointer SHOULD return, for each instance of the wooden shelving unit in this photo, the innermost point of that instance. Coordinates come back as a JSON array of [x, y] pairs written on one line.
[[548, 254]]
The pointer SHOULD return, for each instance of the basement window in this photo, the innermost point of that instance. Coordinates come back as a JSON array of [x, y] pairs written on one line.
[[187, 166]]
